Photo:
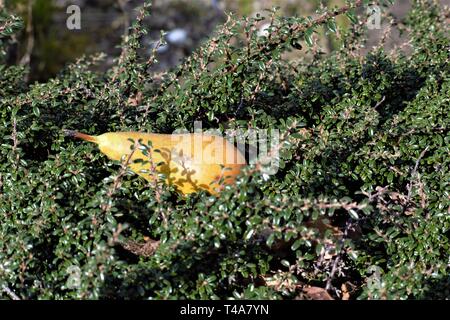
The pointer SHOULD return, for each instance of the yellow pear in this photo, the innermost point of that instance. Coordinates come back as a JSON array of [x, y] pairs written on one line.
[[190, 162]]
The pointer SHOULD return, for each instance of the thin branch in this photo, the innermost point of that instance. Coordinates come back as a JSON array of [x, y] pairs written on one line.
[[333, 271], [15, 142], [10, 293]]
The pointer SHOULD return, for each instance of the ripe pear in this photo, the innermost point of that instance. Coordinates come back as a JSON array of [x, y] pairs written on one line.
[[191, 162]]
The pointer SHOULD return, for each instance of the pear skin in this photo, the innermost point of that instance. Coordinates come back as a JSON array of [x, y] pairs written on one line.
[[191, 162]]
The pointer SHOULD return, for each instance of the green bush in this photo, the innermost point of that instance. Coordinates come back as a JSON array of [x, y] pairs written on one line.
[[360, 205]]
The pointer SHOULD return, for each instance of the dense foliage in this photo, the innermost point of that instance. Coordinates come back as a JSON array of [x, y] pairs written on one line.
[[360, 205]]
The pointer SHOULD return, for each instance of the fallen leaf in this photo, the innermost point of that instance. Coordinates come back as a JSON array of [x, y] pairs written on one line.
[[345, 293], [317, 293], [145, 249]]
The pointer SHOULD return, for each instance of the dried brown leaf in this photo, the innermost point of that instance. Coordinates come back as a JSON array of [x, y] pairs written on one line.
[[317, 293]]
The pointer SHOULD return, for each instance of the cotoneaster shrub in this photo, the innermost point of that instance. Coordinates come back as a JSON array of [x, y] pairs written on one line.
[[359, 207]]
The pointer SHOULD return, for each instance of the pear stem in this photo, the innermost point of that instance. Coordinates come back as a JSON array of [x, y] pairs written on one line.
[[79, 135]]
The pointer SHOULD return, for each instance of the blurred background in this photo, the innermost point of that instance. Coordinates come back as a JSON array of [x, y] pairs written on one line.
[[47, 45]]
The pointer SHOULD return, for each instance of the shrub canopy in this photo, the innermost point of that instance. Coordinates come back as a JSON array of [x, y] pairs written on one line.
[[360, 205]]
